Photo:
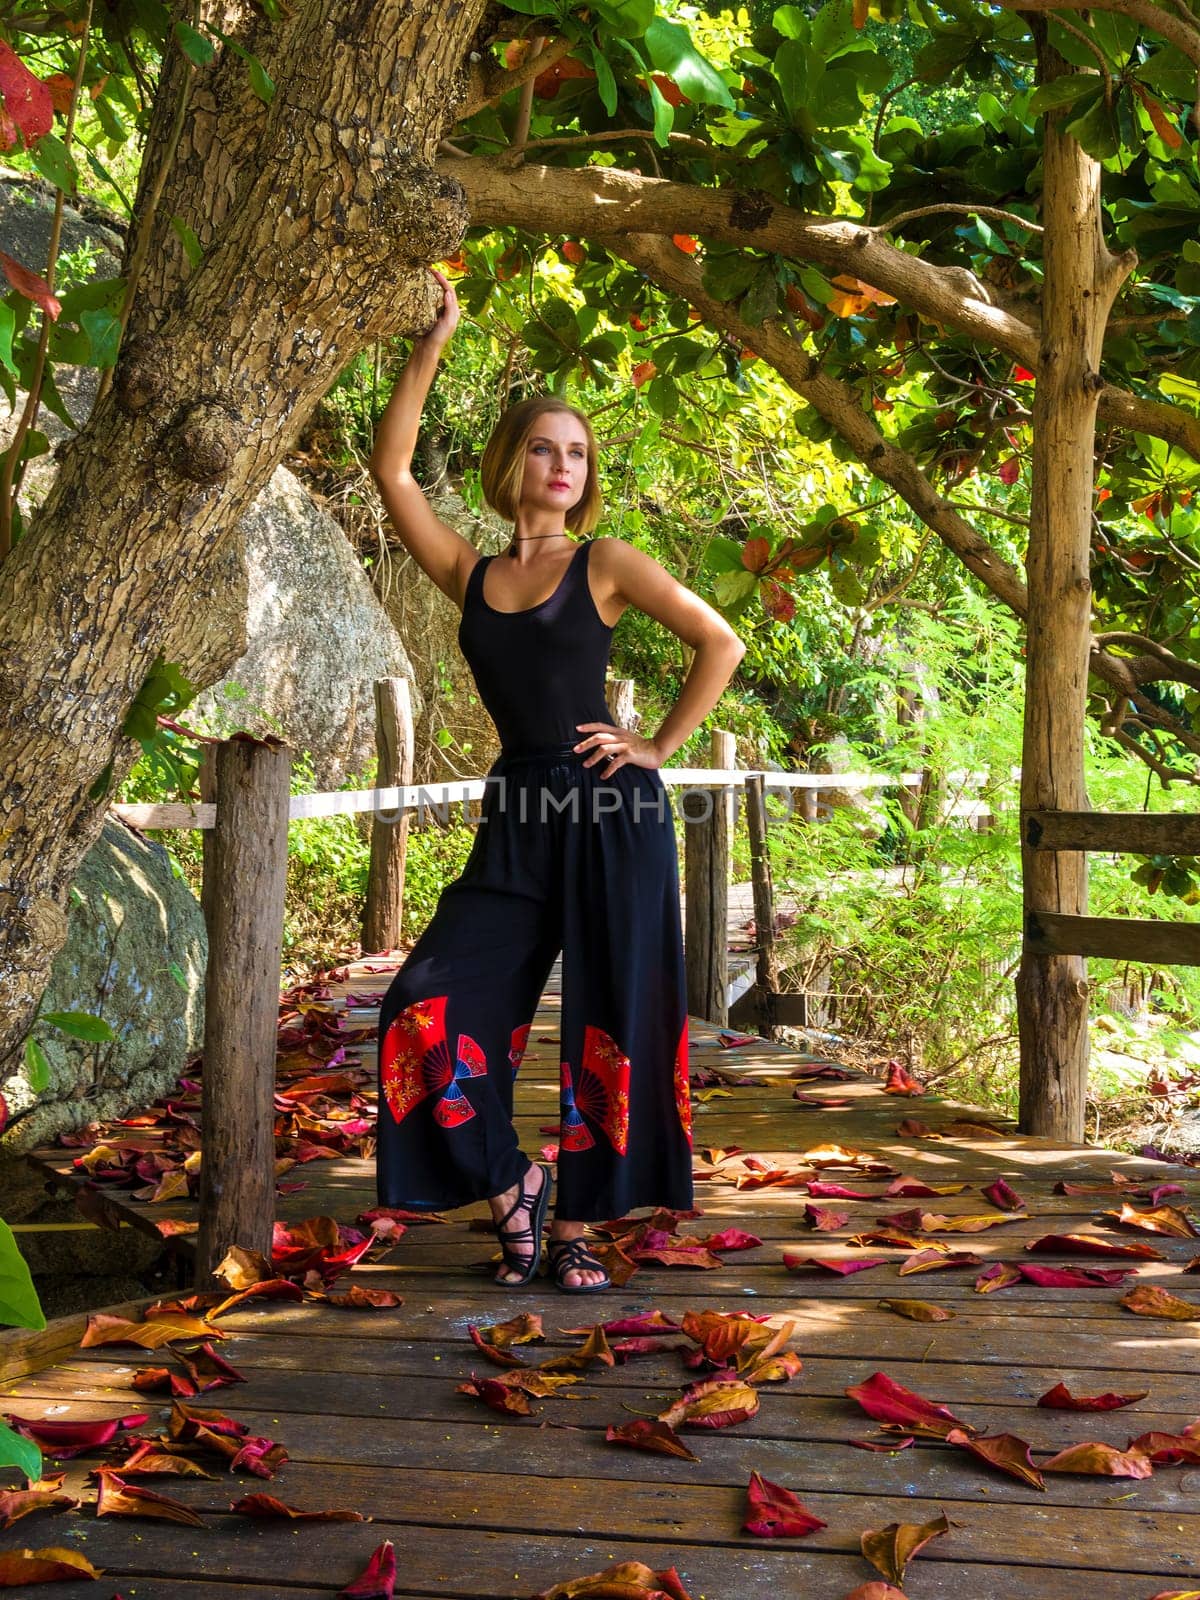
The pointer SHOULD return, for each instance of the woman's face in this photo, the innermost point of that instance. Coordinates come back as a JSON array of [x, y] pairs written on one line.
[[556, 463]]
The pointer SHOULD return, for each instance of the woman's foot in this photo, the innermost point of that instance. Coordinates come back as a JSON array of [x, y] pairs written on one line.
[[576, 1270], [518, 1215]]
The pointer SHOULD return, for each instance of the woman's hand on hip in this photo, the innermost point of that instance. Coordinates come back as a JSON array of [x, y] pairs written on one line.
[[619, 746]]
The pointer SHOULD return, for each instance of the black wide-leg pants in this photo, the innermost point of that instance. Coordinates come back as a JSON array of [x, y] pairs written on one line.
[[562, 861]]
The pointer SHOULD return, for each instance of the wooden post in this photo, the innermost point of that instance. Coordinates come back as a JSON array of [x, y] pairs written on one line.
[[245, 890], [389, 835], [706, 815], [767, 977], [620, 703], [1081, 282], [806, 804]]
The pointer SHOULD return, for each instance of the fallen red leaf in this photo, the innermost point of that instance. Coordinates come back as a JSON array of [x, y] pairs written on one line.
[[890, 1549], [876, 1589], [825, 1220], [44, 1495], [918, 1310], [712, 1403], [911, 1128], [901, 1081], [594, 1348], [121, 1499], [917, 1189], [1060, 1398], [931, 1222], [928, 1260], [377, 1581], [1147, 1301], [71, 1438], [779, 1368], [103, 1328], [266, 1506], [842, 1265], [823, 1189], [1003, 1196], [773, 1512], [628, 1581], [160, 1380], [500, 1396], [887, 1401], [272, 1289], [51, 1565], [1004, 1451], [359, 1298], [497, 1356], [649, 1323], [1100, 1460], [1169, 1220], [731, 1239], [653, 1436], [1000, 1275], [1087, 1244], [882, 1447], [1168, 1449]]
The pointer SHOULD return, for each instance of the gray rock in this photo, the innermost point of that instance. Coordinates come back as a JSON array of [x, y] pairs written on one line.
[[135, 955], [89, 241], [318, 638]]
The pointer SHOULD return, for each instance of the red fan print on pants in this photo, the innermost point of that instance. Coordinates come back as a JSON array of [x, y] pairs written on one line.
[[598, 1091], [414, 1062], [518, 1046], [683, 1096]]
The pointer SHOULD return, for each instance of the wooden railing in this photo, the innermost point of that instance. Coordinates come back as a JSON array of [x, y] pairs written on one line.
[[1168, 944]]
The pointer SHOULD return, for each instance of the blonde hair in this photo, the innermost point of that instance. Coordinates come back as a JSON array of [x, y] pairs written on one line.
[[502, 469]]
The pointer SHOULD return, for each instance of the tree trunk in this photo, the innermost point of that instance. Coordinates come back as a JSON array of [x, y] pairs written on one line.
[[1081, 282], [316, 216]]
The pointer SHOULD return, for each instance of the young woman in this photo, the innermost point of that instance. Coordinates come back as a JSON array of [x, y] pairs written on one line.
[[563, 859]]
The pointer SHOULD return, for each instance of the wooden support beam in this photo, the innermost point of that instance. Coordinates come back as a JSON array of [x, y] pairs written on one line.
[[706, 816], [620, 703], [1131, 832], [1162, 944], [384, 910], [245, 876], [767, 976]]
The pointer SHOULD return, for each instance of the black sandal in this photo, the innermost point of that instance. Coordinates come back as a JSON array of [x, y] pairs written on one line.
[[573, 1255], [526, 1261]]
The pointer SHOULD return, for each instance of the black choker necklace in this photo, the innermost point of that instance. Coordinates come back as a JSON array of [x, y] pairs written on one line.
[[525, 539]]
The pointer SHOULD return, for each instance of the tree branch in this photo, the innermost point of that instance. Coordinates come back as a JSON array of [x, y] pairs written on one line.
[[963, 211], [838, 404], [492, 82], [608, 203]]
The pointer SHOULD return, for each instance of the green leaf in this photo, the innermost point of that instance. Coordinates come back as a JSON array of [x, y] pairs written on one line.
[[194, 45], [670, 48], [54, 161], [261, 80], [724, 555], [7, 321], [187, 238], [606, 83], [180, 976], [628, 18], [791, 22], [1096, 128], [15, 1449], [664, 114], [103, 328], [20, 1309], [1063, 92], [762, 298], [730, 587], [79, 1025], [37, 1067]]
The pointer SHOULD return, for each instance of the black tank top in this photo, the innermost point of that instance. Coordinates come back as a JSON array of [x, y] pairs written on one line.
[[541, 670]]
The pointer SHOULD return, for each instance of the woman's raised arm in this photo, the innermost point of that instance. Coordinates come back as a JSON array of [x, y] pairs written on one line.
[[436, 548]]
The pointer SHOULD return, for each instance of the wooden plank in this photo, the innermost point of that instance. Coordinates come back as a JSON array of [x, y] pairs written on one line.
[[1136, 832], [23, 1351], [1166, 944], [319, 1359], [466, 1563], [399, 1498]]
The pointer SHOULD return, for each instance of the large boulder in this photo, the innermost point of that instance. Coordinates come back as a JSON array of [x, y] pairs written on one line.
[[318, 638], [135, 956]]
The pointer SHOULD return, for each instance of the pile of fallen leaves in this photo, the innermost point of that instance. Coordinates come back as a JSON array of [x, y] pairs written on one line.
[[325, 1106]]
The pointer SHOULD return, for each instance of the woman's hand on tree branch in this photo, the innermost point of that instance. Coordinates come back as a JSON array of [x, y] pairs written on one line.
[[442, 332], [603, 740]]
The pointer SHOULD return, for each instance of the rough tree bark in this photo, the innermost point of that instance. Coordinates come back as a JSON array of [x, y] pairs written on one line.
[[316, 215], [1081, 282]]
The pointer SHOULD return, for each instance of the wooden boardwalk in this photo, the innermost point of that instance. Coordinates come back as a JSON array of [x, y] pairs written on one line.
[[481, 1505]]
